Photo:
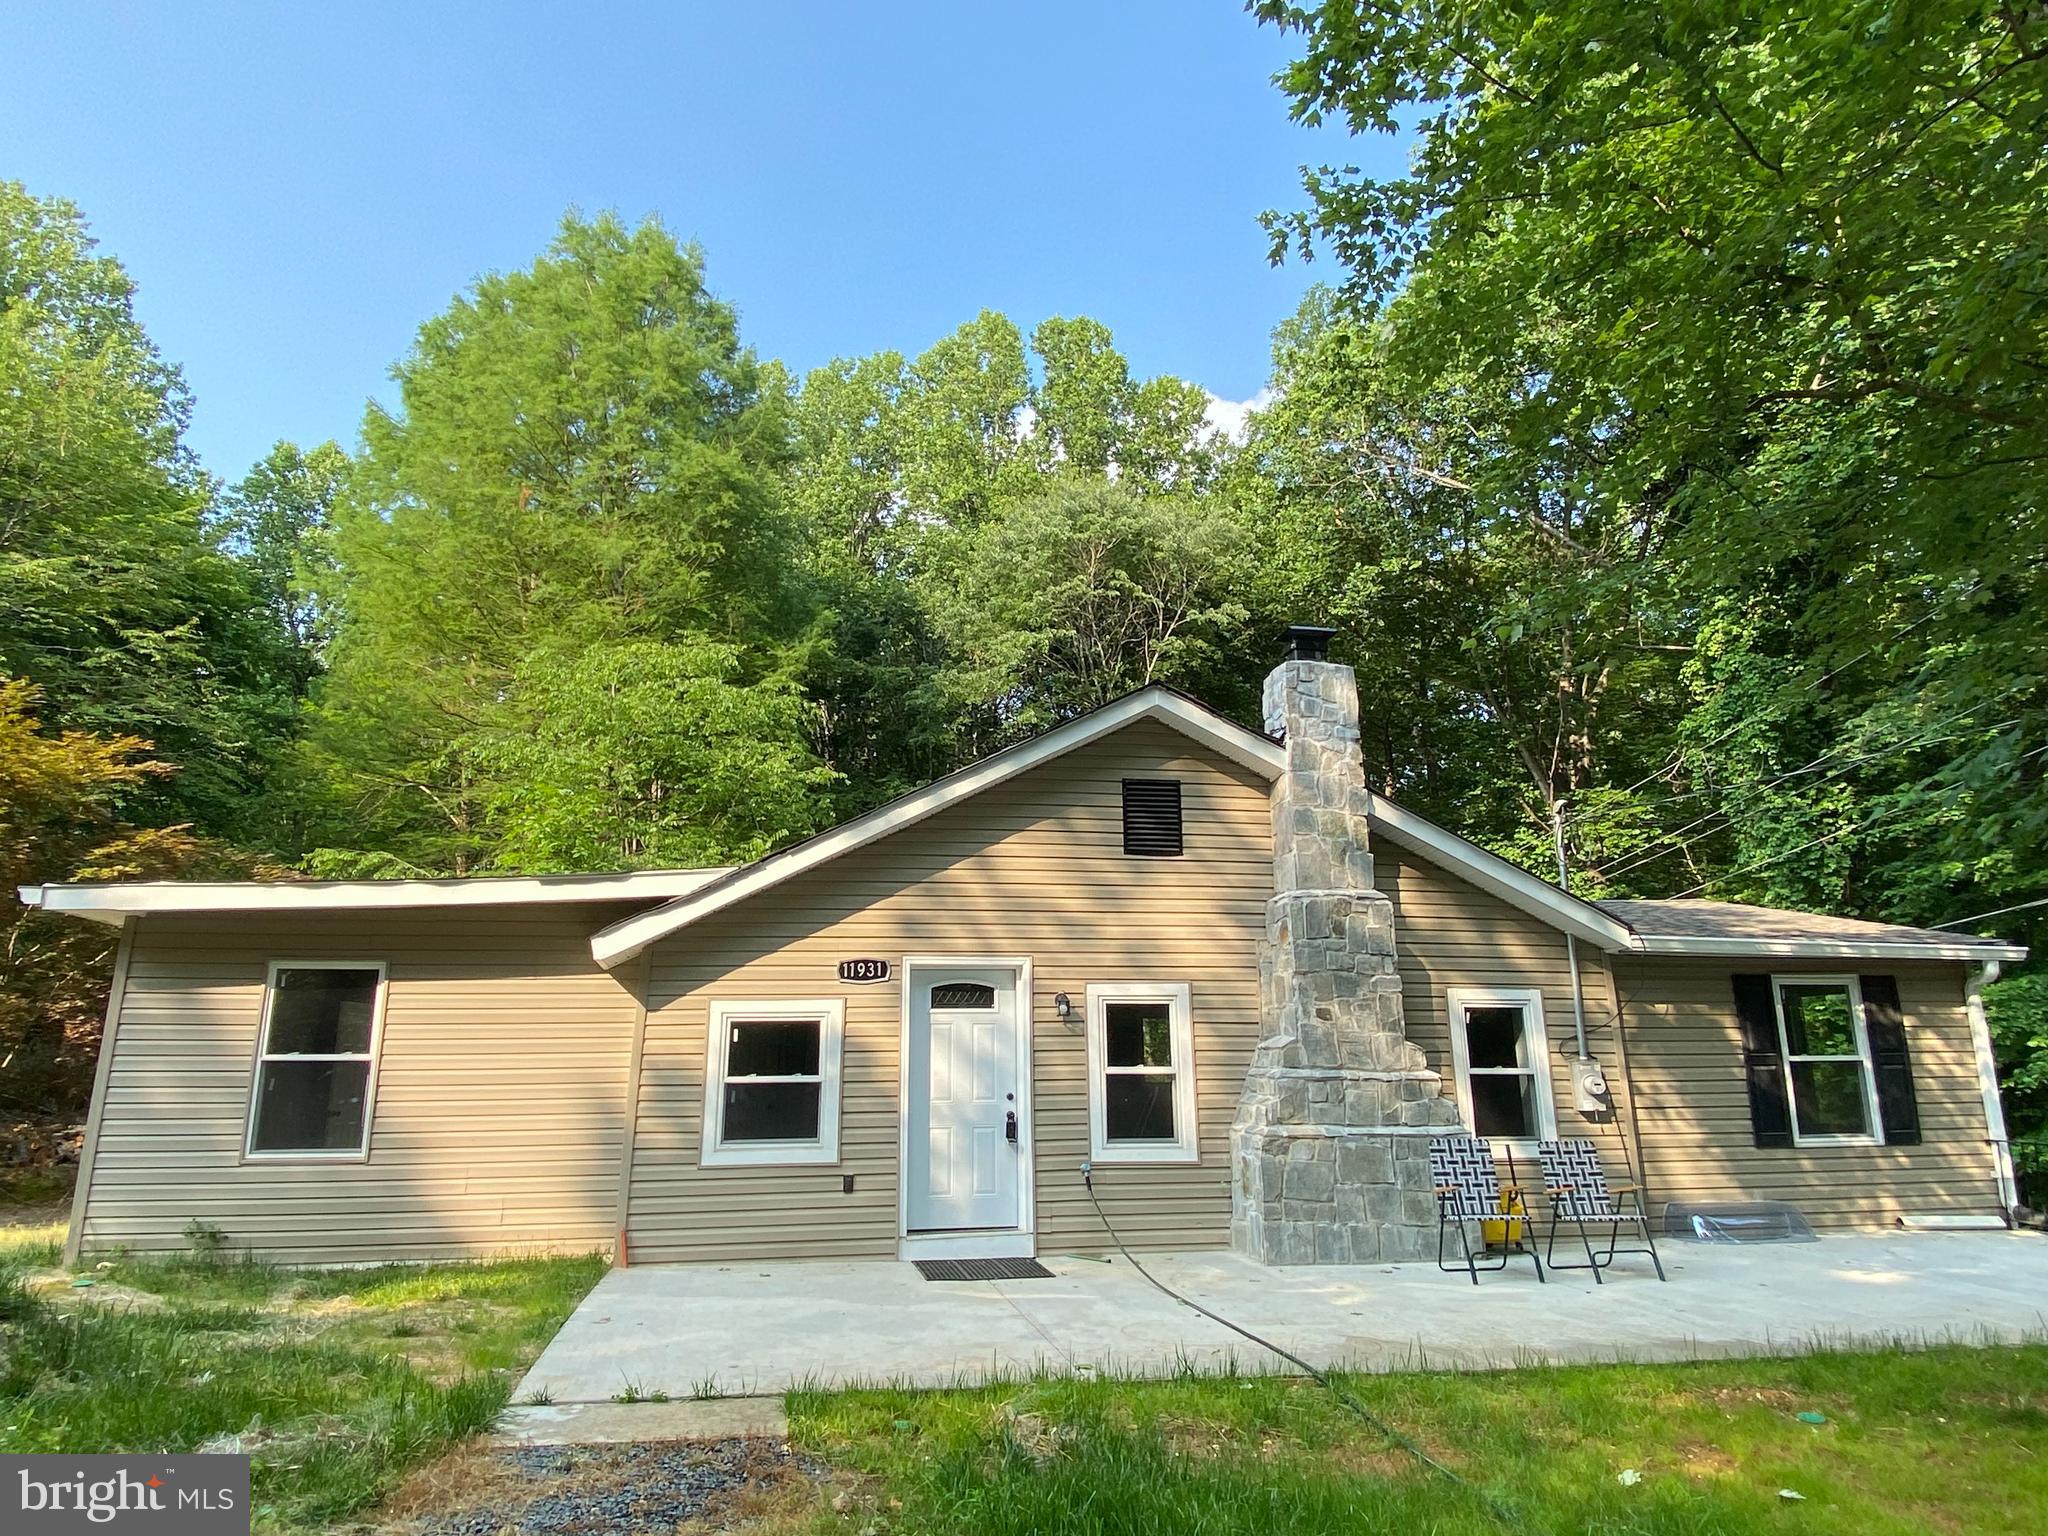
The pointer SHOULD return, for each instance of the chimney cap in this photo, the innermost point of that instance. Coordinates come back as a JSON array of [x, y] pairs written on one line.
[[1308, 642]]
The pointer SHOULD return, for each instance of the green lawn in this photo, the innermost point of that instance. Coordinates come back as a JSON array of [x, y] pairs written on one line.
[[336, 1382], [1949, 1440], [339, 1382]]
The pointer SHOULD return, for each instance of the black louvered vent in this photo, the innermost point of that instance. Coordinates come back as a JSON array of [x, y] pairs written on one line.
[[1152, 818]]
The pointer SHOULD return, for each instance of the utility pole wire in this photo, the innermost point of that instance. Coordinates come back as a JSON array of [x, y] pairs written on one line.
[[1861, 826], [2021, 906], [1644, 855], [1825, 678]]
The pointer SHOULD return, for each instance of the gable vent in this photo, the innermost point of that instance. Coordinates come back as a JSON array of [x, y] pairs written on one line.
[[1152, 817]]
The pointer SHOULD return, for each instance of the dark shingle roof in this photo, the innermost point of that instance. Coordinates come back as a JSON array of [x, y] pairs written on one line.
[[1734, 922]]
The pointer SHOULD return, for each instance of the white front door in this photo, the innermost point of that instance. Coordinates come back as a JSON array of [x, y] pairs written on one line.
[[965, 1145]]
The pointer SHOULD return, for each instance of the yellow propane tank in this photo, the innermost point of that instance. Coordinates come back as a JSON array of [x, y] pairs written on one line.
[[1497, 1234]]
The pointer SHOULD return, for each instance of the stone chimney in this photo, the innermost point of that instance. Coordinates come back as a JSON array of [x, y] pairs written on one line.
[[1330, 1148]]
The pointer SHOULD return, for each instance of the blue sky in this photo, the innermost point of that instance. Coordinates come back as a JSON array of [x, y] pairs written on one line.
[[295, 190]]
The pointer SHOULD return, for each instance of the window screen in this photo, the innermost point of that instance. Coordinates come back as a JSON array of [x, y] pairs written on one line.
[[313, 1073], [1152, 819]]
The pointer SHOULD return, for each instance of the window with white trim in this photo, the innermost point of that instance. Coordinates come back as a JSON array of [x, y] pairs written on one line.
[[771, 1083], [1828, 1076], [1141, 1073], [1501, 1056], [316, 1059]]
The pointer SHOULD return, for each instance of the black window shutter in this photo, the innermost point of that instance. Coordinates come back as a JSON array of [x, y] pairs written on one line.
[[1152, 817], [1763, 1060], [1897, 1107]]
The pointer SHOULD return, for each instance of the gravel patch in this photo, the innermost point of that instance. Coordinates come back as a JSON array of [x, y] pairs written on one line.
[[596, 1490]]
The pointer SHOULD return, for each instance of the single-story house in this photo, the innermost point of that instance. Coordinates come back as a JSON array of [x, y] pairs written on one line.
[[1205, 963]]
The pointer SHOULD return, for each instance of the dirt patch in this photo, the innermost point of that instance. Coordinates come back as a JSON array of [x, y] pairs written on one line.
[[596, 1490], [1698, 1459], [1200, 1437], [38, 1213], [58, 1287]]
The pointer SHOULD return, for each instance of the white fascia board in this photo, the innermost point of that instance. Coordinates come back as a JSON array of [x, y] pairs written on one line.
[[1827, 949], [39, 897], [1496, 875], [112, 902], [626, 938]]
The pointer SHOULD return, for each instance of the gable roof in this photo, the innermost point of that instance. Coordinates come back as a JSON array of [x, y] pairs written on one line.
[[1734, 928], [627, 937], [115, 901], [622, 940]]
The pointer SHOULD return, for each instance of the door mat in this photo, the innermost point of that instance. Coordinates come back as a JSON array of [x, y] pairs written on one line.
[[982, 1269]]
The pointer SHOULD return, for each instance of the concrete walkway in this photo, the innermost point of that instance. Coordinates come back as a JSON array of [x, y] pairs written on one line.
[[764, 1328]]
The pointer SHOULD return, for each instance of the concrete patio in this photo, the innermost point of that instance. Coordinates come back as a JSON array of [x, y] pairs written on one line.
[[764, 1328]]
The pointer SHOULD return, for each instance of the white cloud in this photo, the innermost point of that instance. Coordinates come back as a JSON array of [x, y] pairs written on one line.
[[1233, 417]]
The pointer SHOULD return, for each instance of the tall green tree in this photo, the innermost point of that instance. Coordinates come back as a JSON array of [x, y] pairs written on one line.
[[645, 754], [903, 468], [115, 599], [278, 522], [1514, 646], [584, 456], [1777, 270], [1072, 597]]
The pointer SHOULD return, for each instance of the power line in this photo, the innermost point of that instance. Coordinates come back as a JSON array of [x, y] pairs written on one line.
[[2021, 906], [1644, 856], [1862, 826], [1825, 678]]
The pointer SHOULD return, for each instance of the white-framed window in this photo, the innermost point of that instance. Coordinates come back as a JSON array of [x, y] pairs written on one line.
[[1501, 1056], [1141, 1073], [771, 1082], [1828, 1076], [315, 1080]]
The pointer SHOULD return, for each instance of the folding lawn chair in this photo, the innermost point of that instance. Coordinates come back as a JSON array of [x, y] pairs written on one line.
[[1576, 1187], [1468, 1190]]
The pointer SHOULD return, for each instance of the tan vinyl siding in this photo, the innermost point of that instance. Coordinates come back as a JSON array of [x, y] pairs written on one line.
[[1685, 1052], [1449, 933], [500, 1090], [1032, 868]]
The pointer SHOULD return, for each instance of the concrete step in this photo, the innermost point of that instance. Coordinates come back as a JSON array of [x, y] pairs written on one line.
[[713, 1418]]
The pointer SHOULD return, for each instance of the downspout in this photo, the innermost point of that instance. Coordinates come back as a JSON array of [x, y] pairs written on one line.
[[1641, 1171], [1571, 943], [1987, 1081]]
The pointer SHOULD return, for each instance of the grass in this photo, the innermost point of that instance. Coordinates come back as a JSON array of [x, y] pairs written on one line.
[[335, 1381], [1950, 1439]]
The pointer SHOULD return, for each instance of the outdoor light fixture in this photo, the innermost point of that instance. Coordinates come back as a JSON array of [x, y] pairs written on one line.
[[1063, 1005]]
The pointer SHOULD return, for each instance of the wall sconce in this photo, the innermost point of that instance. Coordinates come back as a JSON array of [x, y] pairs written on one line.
[[1063, 1005]]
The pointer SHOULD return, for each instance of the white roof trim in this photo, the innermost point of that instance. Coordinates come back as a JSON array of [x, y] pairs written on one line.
[[1831, 949], [626, 938], [1497, 876], [111, 903]]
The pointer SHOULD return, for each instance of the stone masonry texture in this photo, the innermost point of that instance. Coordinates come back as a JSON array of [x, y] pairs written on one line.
[[1330, 1147]]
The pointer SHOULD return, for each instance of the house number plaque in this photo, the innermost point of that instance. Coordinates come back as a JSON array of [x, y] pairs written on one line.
[[863, 970]]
